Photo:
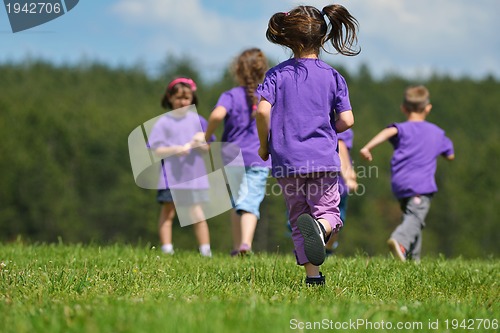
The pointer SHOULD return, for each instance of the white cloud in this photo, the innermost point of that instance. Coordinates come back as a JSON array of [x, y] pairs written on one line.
[[402, 36], [186, 17], [188, 28], [418, 36]]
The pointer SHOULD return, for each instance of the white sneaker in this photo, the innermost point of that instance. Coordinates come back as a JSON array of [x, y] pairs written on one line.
[[205, 250], [167, 249], [207, 254]]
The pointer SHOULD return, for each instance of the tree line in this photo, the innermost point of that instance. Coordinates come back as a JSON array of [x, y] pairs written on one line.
[[66, 174]]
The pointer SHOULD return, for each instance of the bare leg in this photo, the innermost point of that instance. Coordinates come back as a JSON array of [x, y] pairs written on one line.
[[333, 239], [248, 225], [311, 270], [200, 228], [326, 225], [202, 233], [236, 229], [167, 214]]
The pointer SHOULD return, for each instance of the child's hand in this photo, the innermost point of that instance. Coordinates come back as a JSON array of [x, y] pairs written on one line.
[[184, 150], [351, 184], [198, 141], [263, 153], [199, 138], [366, 154]]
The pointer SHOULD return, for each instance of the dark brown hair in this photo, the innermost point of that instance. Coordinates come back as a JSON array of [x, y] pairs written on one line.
[[304, 29], [416, 98], [249, 69], [173, 88]]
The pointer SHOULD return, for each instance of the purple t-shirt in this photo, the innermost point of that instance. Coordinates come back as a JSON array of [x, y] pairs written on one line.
[[304, 94], [240, 128], [347, 137], [179, 172], [417, 146]]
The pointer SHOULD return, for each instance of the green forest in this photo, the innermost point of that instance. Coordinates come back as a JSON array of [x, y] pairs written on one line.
[[66, 174]]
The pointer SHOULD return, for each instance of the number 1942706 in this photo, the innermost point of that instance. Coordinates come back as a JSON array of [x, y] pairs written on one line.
[[33, 8], [471, 324]]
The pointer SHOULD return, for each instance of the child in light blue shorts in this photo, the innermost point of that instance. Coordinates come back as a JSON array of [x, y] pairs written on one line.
[[236, 107]]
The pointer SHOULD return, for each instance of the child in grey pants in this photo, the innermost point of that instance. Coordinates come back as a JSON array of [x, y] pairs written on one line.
[[417, 145]]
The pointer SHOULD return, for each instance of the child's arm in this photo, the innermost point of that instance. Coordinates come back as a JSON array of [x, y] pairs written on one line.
[[263, 118], [344, 121], [346, 170], [216, 117], [164, 151], [384, 135], [448, 151]]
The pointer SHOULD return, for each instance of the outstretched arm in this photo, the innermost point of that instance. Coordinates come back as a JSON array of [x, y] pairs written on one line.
[[263, 118], [381, 137]]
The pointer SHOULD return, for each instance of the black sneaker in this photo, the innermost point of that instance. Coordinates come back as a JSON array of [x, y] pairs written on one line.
[[315, 281], [314, 238]]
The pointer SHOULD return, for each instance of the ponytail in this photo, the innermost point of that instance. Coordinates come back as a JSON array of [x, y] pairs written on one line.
[[249, 69], [340, 20]]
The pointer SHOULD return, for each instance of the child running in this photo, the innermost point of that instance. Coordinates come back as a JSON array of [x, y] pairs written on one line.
[[304, 104], [236, 107], [417, 145], [177, 139]]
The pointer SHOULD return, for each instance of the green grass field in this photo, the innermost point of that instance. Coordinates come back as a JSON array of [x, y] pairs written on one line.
[[72, 288]]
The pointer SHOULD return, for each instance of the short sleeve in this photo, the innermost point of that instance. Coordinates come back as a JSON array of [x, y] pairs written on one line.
[[447, 148], [159, 135], [267, 89], [342, 101], [226, 101], [346, 136], [394, 140]]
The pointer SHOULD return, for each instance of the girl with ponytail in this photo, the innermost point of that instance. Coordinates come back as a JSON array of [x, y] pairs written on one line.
[[236, 108], [304, 104]]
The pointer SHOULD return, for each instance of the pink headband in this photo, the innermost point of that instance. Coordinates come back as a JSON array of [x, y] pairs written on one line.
[[187, 81]]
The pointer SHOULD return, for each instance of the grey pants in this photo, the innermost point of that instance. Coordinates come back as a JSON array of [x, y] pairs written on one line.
[[409, 232]]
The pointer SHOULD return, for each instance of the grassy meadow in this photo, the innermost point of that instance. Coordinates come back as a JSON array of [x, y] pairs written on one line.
[[122, 288]]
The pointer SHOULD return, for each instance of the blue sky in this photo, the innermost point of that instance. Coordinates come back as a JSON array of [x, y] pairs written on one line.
[[412, 38]]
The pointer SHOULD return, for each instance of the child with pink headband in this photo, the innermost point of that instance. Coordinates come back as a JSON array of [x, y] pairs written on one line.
[[176, 138]]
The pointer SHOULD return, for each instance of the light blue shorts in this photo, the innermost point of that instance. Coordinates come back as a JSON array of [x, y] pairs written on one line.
[[247, 189]]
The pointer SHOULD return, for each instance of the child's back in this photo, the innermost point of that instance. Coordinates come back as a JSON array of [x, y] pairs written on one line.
[[237, 108], [304, 104], [417, 146], [302, 138]]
